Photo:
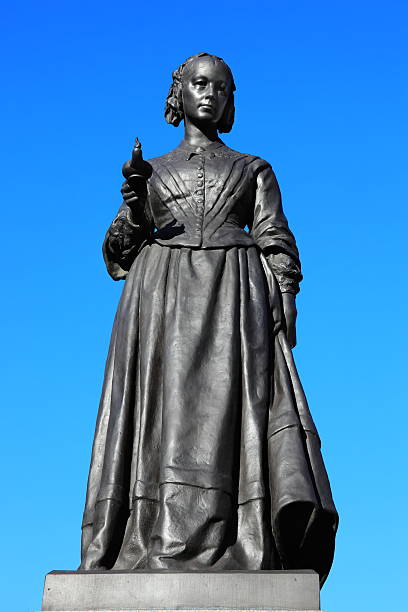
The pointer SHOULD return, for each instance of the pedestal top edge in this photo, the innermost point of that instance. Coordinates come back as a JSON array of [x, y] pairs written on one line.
[[166, 572]]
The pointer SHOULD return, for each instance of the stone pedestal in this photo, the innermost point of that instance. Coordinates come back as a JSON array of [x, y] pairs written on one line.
[[144, 591]]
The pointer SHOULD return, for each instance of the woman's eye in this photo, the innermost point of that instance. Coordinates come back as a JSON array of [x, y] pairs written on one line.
[[200, 83]]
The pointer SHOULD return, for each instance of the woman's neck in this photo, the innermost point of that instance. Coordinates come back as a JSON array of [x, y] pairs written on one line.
[[199, 136]]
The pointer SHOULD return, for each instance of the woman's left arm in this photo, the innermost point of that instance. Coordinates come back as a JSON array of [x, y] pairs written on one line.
[[271, 232]]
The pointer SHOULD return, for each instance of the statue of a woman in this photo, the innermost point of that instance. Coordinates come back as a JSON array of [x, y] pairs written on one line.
[[205, 454]]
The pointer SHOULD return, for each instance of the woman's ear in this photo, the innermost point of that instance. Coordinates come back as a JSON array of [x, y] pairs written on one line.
[[227, 120], [181, 100]]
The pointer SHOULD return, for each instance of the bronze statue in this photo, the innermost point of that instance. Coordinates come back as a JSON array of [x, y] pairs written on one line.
[[205, 454]]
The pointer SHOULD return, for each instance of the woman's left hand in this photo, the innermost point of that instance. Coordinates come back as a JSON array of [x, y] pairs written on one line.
[[290, 314]]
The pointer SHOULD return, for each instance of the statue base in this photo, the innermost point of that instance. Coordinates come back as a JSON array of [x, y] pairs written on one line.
[[144, 591]]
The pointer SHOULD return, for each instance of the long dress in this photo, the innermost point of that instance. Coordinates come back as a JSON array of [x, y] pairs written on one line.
[[205, 454]]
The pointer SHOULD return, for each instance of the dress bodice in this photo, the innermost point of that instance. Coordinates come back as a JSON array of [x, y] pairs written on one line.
[[208, 198], [204, 198]]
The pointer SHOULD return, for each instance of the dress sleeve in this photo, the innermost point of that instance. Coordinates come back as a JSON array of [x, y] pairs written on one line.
[[270, 231], [123, 241]]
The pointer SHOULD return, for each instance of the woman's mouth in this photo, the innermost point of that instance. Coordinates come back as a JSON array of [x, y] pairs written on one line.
[[208, 107]]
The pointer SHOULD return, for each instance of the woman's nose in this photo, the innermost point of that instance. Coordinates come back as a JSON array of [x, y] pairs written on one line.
[[210, 93]]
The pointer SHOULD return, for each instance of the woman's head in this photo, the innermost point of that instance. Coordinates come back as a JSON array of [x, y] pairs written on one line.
[[203, 89]]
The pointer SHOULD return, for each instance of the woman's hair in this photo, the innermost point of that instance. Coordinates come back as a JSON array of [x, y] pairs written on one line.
[[174, 112]]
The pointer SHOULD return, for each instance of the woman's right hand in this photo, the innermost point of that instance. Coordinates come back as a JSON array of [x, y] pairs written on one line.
[[131, 198]]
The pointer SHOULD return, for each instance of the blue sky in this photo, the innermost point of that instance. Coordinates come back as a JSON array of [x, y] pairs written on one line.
[[322, 95]]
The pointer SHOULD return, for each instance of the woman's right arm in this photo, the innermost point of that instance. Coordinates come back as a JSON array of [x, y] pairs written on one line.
[[128, 231]]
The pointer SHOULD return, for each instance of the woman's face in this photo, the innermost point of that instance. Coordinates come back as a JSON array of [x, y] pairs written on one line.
[[206, 88]]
